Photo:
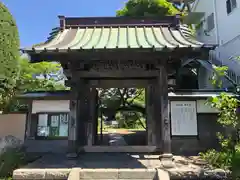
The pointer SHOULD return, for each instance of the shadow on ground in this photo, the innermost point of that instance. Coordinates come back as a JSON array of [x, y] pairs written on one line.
[[96, 160]]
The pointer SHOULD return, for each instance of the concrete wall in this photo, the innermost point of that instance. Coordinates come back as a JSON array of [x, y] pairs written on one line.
[[206, 6], [50, 106], [56, 146], [226, 25], [13, 124]]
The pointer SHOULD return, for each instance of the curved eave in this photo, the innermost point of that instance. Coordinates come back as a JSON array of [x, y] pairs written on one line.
[[53, 51], [120, 38]]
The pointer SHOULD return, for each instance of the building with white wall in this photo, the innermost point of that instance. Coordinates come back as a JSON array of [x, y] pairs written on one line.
[[47, 121], [220, 25]]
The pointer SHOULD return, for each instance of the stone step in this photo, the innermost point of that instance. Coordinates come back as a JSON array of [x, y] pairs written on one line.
[[41, 174], [90, 174], [107, 174]]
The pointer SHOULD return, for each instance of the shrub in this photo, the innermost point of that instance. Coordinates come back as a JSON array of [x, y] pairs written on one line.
[[10, 160], [222, 159]]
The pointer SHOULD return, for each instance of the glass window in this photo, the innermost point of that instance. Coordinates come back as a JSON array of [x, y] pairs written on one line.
[[231, 5], [52, 125], [210, 22]]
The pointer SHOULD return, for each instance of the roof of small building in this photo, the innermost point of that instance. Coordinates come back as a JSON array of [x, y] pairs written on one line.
[[65, 95], [119, 33]]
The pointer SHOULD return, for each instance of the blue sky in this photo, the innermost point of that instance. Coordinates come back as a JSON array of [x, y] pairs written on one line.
[[36, 18]]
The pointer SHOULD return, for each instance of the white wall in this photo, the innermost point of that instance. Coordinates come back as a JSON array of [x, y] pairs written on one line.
[[50, 106], [206, 6], [229, 26], [226, 32], [202, 107]]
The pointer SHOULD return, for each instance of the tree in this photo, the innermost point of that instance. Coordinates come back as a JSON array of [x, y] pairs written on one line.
[[9, 54], [128, 103], [35, 77], [140, 8], [38, 76]]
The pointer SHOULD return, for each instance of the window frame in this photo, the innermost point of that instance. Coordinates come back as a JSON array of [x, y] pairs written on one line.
[[231, 8], [213, 22], [50, 114]]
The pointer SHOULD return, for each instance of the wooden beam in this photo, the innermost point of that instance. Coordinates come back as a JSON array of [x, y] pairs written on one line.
[[103, 83], [112, 74]]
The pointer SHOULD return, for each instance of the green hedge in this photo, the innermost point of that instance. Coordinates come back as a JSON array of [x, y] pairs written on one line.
[[9, 53]]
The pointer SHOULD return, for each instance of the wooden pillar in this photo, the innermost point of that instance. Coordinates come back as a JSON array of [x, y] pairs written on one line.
[[83, 115], [72, 130], [165, 132], [149, 94], [92, 125], [95, 115], [28, 121], [78, 117], [157, 129]]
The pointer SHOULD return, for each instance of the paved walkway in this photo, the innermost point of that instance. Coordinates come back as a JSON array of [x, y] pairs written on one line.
[[97, 160], [116, 139]]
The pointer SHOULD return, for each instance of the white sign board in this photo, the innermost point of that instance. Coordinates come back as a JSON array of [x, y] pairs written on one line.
[[42, 120], [183, 118]]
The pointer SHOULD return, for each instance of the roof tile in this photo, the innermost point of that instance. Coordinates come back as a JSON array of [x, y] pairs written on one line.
[[146, 37]]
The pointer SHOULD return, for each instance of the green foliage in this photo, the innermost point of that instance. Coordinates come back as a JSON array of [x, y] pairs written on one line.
[[227, 105], [130, 120], [127, 105], [220, 71], [10, 160], [28, 81], [230, 147], [217, 159], [9, 53], [140, 8], [222, 159], [229, 156]]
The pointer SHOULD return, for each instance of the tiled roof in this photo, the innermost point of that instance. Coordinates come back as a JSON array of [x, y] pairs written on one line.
[[184, 93], [121, 37]]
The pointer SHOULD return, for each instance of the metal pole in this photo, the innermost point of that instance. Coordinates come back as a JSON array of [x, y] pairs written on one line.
[[101, 122], [101, 128]]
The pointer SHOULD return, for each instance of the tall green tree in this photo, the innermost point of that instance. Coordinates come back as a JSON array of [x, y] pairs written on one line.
[[35, 77], [140, 8], [9, 54]]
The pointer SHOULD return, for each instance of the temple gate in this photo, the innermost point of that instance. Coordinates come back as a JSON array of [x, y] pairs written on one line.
[[119, 52]]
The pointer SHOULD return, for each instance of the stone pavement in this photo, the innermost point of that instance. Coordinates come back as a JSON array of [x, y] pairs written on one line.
[[116, 139], [110, 166], [57, 165], [97, 160]]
